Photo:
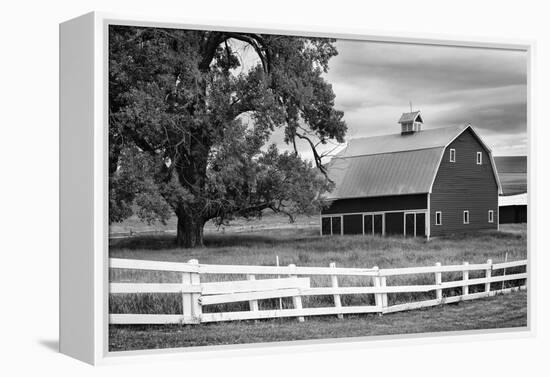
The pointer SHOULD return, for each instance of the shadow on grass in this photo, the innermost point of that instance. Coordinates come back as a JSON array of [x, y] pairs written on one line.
[[166, 241], [483, 235], [282, 237]]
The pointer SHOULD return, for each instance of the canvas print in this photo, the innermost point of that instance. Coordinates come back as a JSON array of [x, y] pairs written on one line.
[[267, 188]]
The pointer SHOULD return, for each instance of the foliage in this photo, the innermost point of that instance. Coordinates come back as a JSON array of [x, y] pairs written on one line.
[[179, 140]]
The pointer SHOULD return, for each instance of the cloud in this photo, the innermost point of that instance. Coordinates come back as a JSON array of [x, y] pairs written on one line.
[[374, 83]]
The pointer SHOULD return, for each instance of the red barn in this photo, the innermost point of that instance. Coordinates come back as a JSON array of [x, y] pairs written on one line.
[[415, 183]]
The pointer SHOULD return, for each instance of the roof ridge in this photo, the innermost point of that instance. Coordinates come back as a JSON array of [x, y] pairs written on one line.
[[460, 127]]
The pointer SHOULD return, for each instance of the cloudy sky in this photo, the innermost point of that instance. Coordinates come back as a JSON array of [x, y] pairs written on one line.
[[374, 83]]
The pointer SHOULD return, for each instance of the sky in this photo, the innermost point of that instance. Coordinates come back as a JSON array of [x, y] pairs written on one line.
[[375, 82]]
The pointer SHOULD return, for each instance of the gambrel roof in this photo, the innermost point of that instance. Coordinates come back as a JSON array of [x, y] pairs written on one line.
[[392, 164]]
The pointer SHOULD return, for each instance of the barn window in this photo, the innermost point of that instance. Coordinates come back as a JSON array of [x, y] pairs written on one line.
[[491, 216], [452, 155], [466, 217], [438, 218], [479, 158]]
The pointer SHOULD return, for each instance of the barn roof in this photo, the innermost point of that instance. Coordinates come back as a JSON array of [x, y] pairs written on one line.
[[391, 164], [512, 200], [432, 138]]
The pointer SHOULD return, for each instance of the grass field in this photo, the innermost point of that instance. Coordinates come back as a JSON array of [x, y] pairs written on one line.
[[504, 311], [300, 244]]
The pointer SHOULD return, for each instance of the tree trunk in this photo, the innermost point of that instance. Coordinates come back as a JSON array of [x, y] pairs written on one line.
[[190, 231]]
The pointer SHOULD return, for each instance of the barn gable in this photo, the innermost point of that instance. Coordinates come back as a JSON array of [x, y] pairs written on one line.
[[465, 188]]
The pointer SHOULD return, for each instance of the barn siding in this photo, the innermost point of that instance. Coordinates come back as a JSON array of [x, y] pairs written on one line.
[[464, 185], [375, 204]]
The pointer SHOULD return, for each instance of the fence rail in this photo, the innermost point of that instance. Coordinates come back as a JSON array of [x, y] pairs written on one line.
[[290, 282]]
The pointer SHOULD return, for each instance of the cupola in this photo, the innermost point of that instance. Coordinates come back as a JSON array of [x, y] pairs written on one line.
[[410, 122]]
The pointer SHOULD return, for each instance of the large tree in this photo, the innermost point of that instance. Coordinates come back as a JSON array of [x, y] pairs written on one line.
[[188, 126]]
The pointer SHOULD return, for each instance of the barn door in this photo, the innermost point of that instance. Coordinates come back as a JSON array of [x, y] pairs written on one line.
[[410, 225], [367, 225], [378, 224], [420, 224]]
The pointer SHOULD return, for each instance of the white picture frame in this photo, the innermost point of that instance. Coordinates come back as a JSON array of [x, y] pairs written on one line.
[[84, 188]]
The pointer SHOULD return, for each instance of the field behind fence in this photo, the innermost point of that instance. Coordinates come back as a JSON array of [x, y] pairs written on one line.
[[257, 292]]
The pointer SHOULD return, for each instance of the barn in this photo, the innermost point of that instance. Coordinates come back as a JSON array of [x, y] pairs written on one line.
[[512, 208], [419, 182]]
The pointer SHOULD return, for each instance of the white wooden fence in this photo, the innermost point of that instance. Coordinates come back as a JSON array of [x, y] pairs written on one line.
[[296, 284]]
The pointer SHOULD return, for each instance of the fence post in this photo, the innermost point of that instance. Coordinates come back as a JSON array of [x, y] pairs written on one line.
[[187, 298], [334, 281], [465, 277], [296, 300], [488, 275], [377, 296], [438, 292], [252, 303], [384, 295], [195, 302]]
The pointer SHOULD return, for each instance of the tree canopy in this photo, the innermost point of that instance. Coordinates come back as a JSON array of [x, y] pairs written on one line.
[[189, 131]]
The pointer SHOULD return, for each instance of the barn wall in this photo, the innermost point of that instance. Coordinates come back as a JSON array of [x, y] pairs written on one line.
[[383, 203], [464, 185], [513, 214]]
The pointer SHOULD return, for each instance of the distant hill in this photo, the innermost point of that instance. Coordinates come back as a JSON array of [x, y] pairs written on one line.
[[511, 164], [512, 172]]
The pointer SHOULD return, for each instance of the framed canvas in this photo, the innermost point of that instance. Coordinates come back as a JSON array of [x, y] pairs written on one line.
[[229, 186]]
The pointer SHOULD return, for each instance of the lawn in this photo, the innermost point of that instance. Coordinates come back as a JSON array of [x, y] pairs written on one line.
[[301, 244], [503, 311]]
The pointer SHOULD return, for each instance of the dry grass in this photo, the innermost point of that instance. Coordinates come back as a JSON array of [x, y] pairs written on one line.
[[505, 311], [304, 247]]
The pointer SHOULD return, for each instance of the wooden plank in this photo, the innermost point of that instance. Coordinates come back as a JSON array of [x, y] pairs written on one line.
[[334, 283], [245, 315], [195, 280], [248, 296], [282, 270], [493, 279], [253, 304], [465, 278], [385, 294], [153, 288], [153, 319], [327, 291], [449, 300], [186, 298], [229, 316], [439, 291], [377, 296], [296, 300], [431, 269], [411, 306], [488, 276], [499, 266], [137, 264], [239, 286], [273, 270]]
